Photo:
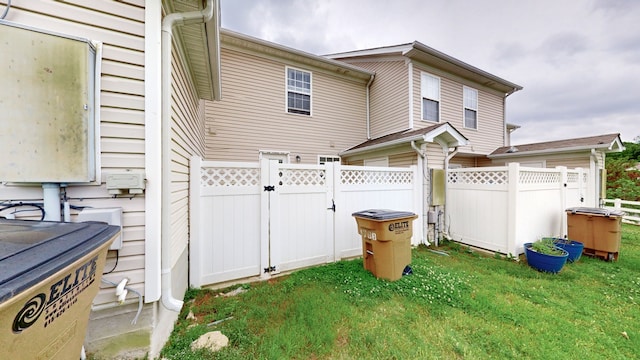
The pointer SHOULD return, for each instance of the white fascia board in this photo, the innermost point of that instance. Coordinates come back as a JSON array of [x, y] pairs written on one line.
[[459, 140]]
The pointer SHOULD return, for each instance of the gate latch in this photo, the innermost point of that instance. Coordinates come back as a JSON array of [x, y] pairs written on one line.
[[333, 206], [269, 188], [269, 269]]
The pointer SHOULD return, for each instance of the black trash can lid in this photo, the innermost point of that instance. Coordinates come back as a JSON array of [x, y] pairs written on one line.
[[31, 251], [383, 214], [595, 211]]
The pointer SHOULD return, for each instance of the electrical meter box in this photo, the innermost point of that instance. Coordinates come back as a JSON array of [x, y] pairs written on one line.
[[47, 107]]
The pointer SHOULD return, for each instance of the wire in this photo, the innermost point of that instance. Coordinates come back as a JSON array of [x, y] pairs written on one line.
[[116, 264], [36, 205], [6, 10]]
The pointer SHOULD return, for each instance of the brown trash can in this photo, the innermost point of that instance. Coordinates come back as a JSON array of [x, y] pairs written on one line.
[[600, 230], [386, 241], [49, 275]]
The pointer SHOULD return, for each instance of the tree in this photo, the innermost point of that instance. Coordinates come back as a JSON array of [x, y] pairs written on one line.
[[622, 183]]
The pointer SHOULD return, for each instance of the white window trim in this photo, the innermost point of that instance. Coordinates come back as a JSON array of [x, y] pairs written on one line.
[[333, 157], [464, 107], [274, 155], [286, 91], [422, 74]]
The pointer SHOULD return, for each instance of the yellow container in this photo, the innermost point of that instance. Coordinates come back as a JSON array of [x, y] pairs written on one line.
[[386, 241], [50, 273]]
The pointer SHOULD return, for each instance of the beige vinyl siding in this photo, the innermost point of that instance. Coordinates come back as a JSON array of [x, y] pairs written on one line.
[[388, 96], [435, 156], [570, 160], [187, 139], [252, 113], [465, 162], [119, 27], [490, 132], [483, 162], [403, 160]]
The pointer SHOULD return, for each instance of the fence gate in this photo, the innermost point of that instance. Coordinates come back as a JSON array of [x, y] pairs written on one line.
[[250, 219], [298, 219]]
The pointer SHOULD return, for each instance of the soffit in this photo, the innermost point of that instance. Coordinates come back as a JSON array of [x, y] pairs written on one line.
[[198, 45]]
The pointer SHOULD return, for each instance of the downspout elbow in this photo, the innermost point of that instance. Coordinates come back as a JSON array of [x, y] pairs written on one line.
[[167, 298], [416, 149]]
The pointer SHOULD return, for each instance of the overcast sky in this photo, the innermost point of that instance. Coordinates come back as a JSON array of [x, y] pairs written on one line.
[[578, 60]]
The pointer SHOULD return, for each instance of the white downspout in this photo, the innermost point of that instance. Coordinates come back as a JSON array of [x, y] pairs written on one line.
[[595, 172], [368, 108], [425, 224], [177, 19]]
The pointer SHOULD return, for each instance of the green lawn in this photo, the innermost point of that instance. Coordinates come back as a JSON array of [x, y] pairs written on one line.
[[466, 306]]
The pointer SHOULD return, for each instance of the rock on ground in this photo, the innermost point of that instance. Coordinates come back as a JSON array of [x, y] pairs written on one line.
[[213, 340]]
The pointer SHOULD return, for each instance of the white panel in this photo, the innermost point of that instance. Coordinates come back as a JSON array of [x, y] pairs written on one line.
[[111, 216]]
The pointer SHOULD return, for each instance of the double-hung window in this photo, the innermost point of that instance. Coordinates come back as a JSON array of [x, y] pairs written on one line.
[[298, 91], [470, 108], [430, 91]]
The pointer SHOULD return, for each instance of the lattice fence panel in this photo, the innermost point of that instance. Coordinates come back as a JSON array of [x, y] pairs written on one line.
[[478, 177], [229, 177], [302, 177], [572, 177], [360, 177], [535, 177]]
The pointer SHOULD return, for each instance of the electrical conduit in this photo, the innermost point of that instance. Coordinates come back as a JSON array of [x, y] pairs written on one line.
[[169, 21]]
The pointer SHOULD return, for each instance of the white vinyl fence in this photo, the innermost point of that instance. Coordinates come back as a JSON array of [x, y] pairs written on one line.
[[631, 209], [251, 219], [501, 208]]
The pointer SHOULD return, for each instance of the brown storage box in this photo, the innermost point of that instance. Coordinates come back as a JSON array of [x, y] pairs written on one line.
[[600, 230], [51, 275], [386, 241]]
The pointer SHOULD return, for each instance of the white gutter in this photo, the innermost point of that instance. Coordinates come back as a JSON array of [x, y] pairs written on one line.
[[368, 108], [174, 19]]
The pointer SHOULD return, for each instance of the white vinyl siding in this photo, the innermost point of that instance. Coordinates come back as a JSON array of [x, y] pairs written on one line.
[[430, 94], [298, 91], [470, 107]]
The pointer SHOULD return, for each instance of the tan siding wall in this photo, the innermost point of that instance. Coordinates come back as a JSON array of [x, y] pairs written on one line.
[[435, 156], [571, 161], [187, 139], [490, 132], [464, 161], [120, 28], [403, 160], [388, 96], [252, 113]]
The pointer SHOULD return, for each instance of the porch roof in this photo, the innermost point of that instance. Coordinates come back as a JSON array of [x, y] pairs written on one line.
[[444, 132], [606, 143]]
